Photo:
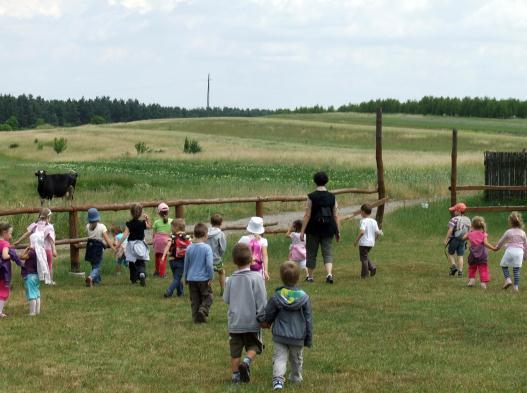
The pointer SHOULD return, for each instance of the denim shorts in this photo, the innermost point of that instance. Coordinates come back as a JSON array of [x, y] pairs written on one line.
[[456, 246]]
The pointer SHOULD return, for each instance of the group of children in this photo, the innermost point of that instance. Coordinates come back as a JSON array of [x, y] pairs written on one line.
[[461, 229]]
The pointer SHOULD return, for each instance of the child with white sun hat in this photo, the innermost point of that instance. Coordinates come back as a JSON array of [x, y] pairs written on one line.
[[258, 245]]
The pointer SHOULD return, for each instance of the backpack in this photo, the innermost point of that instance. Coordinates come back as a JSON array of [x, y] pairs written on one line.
[[297, 252], [256, 251], [180, 242], [462, 227], [324, 215]]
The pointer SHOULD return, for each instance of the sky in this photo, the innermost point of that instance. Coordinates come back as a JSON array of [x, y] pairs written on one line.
[[263, 53]]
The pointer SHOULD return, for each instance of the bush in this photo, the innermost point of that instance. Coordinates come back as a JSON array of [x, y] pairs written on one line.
[[191, 146], [12, 122], [60, 144], [13, 145], [5, 127], [40, 146], [35, 141], [98, 119], [142, 148]]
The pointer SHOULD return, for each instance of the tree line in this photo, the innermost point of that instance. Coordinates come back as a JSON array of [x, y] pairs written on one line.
[[27, 111]]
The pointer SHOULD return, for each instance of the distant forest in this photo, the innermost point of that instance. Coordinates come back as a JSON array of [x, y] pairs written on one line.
[[27, 111]]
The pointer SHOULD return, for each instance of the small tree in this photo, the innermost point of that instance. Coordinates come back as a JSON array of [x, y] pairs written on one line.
[[191, 146], [5, 127], [60, 144], [142, 148], [12, 122], [98, 119]]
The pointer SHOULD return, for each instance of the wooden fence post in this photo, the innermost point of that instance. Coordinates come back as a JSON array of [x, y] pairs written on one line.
[[259, 209], [380, 166], [180, 211], [74, 250], [453, 172]]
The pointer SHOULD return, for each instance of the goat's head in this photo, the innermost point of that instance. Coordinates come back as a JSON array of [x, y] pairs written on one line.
[[41, 175]]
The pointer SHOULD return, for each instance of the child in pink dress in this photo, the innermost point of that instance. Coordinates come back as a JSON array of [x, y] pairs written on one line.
[[6, 255], [477, 258]]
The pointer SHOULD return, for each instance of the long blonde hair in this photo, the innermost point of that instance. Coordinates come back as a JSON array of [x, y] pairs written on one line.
[[479, 223], [515, 220]]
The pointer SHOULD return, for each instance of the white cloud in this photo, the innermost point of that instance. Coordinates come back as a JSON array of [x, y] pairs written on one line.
[[145, 6], [26, 9]]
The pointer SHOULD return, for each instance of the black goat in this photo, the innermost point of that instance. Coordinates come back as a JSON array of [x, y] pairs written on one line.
[[58, 185]]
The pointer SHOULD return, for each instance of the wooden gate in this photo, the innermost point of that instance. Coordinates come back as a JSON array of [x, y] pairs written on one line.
[[505, 169]]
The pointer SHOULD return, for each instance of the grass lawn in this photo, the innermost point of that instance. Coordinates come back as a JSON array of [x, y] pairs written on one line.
[[411, 328]]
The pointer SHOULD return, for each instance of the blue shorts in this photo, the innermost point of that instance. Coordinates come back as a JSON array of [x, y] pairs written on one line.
[[32, 286], [456, 246], [122, 261]]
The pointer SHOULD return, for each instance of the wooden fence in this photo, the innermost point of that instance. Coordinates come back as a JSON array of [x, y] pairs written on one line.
[[76, 242], [507, 188], [505, 169]]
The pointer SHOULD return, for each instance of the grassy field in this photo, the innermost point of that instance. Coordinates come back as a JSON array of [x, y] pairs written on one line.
[[411, 329]]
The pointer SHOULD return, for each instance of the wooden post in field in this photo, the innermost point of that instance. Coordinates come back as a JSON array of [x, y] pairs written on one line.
[[380, 166], [259, 209], [74, 250], [180, 211], [453, 172]]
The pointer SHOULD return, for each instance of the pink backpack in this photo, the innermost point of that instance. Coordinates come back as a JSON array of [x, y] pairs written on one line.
[[256, 250], [297, 252]]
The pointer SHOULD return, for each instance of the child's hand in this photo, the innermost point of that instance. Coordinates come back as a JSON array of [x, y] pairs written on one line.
[[55, 253], [266, 276], [337, 237], [302, 237], [446, 242]]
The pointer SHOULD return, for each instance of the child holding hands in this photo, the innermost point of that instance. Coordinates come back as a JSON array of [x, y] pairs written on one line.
[[477, 257], [516, 242]]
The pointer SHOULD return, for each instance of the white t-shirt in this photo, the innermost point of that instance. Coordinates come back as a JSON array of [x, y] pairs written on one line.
[[371, 229], [247, 240], [98, 232]]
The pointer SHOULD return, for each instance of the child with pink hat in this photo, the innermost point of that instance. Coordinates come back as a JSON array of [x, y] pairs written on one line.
[[258, 246], [458, 226]]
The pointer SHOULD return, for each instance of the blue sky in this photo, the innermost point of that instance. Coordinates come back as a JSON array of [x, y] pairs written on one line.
[[263, 53]]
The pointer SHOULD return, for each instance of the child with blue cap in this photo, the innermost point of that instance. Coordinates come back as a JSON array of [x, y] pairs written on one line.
[[97, 237]]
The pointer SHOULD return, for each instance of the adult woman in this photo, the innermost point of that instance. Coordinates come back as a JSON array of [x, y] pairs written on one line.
[[320, 225]]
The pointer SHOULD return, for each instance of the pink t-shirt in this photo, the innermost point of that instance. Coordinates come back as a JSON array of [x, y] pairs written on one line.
[[514, 237], [476, 237], [47, 229]]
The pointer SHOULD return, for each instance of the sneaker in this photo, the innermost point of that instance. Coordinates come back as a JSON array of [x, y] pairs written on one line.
[[329, 279], [516, 288], [278, 385], [165, 295], [471, 282], [483, 285], [245, 372], [309, 279], [200, 317], [156, 274], [235, 379], [453, 270], [460, 273], [373, 272], [508, 283], [142, 279], [89, 281]]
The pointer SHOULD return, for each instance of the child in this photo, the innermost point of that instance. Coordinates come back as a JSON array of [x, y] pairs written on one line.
[[516, 242], [369, 232], [258, 246], [120, 258], [297, 250], [289, 312], [246, 297], [198, 273], [6, 255], [177, 246], [161, 237], [477, 257], [136, 250], [97, 233], [44, 226], [217, 241], [458, 227], [30, 275]]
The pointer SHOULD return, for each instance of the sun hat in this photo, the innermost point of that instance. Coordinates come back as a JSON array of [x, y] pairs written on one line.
[[93, 215], [256, 226], [163, 207], [45, 213], [458, 207]]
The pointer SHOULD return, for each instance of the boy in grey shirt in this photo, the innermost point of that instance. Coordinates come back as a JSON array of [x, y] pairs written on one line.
[[245, 294], [218, 242]]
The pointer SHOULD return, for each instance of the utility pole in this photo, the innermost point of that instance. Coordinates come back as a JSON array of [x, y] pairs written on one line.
[[208, 92]]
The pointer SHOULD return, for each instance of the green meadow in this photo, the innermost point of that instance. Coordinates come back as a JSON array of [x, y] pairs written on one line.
[[412, 328]]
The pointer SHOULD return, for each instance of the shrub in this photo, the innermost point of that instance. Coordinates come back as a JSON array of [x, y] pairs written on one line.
[[191, 146], [35, 141], [5, 127], [98, 119], [142, 148], [60, 144], [40, 146], [12, 122], [13, 145]]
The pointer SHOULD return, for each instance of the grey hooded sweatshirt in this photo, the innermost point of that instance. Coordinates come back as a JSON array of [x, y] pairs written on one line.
[[246, 296], [218, 243], [289, 311]]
